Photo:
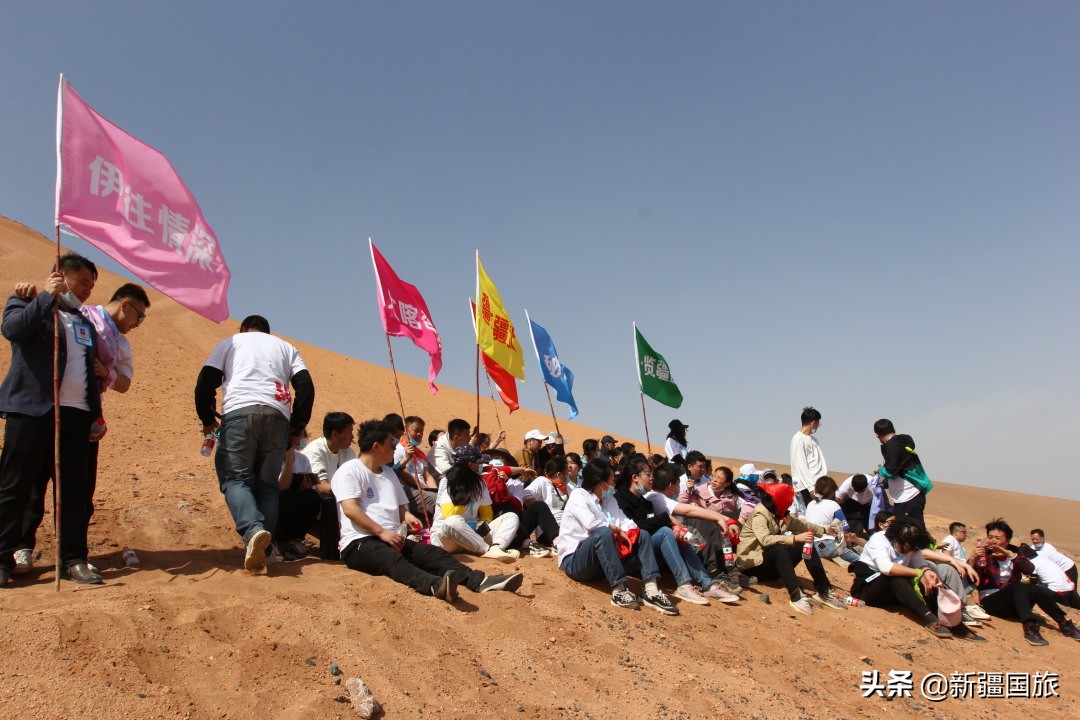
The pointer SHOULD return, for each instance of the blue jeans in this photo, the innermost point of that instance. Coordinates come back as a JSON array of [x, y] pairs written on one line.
[[248, 462], [826, 548], [683, 562], [597, 555]]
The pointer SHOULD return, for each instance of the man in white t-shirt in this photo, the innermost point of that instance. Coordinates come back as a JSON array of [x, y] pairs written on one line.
[[442, 454], [258, 418], [371, 509], [856, 497], [807, 459]]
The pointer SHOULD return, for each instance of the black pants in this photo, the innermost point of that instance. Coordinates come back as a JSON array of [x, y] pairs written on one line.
[[912, 508], [1017, 600], [712, 555], [329, 530], [889, 590], [858, 516], [780, 562], [417, 565], [26, 459], [297, 512], [537, 515]]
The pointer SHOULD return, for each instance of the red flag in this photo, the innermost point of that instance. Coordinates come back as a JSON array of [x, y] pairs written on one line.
[[405, 314], [504, 381]]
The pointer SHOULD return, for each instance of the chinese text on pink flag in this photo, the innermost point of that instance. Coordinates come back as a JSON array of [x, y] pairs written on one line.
[[405, 314], [124, 197]]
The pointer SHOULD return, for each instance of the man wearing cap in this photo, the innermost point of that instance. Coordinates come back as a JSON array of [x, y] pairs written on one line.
[[676, 444], [529, 457], [807, 459], [607, 444]]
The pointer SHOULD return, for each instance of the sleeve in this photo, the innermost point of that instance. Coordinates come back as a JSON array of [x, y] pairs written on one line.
[[759, 525], [125, 361], [303, 400], [879, 557], [219, 356], [892, 453], [346, 486], [22, 318], [210, 379], [316, 456], [301, 464], [844, 491]]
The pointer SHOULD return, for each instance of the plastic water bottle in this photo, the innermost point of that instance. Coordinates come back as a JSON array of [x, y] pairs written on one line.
[[807, 550], [980, 561], [130, 558], [729, 554], [854, 602], [208, 445], [97, 429]]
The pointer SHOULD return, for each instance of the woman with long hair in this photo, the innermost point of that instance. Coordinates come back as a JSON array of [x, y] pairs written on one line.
[[464, 520]]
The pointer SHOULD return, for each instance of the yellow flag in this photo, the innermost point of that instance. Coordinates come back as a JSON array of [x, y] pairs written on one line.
[[494, 332]]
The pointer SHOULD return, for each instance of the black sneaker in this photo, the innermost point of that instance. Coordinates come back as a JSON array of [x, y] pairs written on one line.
[[660, 603], [622, 597], [509, 583], [1068, 629], [963, 632], [446, 588], [1032, 635]]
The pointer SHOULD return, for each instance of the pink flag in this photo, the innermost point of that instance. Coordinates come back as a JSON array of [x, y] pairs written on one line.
[[125, 198], [404, 313]]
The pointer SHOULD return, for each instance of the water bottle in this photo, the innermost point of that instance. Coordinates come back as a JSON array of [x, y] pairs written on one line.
[[130, 558], [854, 602], [807, 550], [208, 445], [729, 554], [97, 429], [980, 561]]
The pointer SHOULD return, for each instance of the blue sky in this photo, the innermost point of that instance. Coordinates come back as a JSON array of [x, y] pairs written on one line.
[[867, 207]]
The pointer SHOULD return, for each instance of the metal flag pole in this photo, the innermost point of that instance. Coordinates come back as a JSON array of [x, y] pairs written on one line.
[[493, 403], [646, 421], [57, 496]]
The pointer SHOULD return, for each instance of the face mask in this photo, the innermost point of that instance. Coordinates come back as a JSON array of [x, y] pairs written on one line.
[[414, 443], [640, 489], [609, 492], [70, 301], [1038, 546]]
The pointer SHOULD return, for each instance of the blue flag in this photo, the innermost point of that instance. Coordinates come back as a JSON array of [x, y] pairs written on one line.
[[557, 375]]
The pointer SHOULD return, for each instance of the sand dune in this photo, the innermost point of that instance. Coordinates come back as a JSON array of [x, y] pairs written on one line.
[[190, 635]]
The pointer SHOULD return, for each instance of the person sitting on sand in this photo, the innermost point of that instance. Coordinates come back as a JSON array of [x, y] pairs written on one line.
[[767, 550], [1003, 594], [824, 510], [416, 477], [464, 520], [1051, 576], [1051, 553], [894, 569], [372, 506], [953, 543], [855, 498], [595, 538], [693, 583]]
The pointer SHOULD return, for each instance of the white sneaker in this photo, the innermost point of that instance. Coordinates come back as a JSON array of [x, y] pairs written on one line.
[[255, 550], [539, 551], [691, 594], [497, 553], [24, 561], [976, 611], [721, 593], [802, 605]]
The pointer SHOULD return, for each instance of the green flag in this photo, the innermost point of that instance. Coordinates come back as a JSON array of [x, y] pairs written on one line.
[[654, 375]]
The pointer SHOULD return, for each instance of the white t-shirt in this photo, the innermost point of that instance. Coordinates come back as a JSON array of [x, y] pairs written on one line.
[[257, 368], [673, 447], [73, 388], [581, 515], [542, 490], [379, 494], [416, 466], [807, 461], [950, 544], [846, 491], [1051, 553], [323, 462], [900, 490], [1051, 575], [661, 503], [880, 554], [300, 463], [823, 512]]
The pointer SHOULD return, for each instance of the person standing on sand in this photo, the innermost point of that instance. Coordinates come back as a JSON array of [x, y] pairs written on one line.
[[26, 400], [807, 459], [905, 480], [259, 420]]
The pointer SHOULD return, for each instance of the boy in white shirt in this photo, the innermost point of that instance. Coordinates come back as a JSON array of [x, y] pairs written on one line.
[[372, 507]]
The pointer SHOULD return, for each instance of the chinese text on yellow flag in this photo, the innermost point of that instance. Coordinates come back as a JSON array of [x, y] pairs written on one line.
[[494, 332]]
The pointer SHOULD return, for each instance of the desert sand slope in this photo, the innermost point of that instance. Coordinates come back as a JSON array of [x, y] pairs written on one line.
[[191, 635]]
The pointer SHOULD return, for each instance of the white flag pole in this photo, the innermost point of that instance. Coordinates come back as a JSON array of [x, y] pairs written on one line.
[[547, 389], [641, 393]]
